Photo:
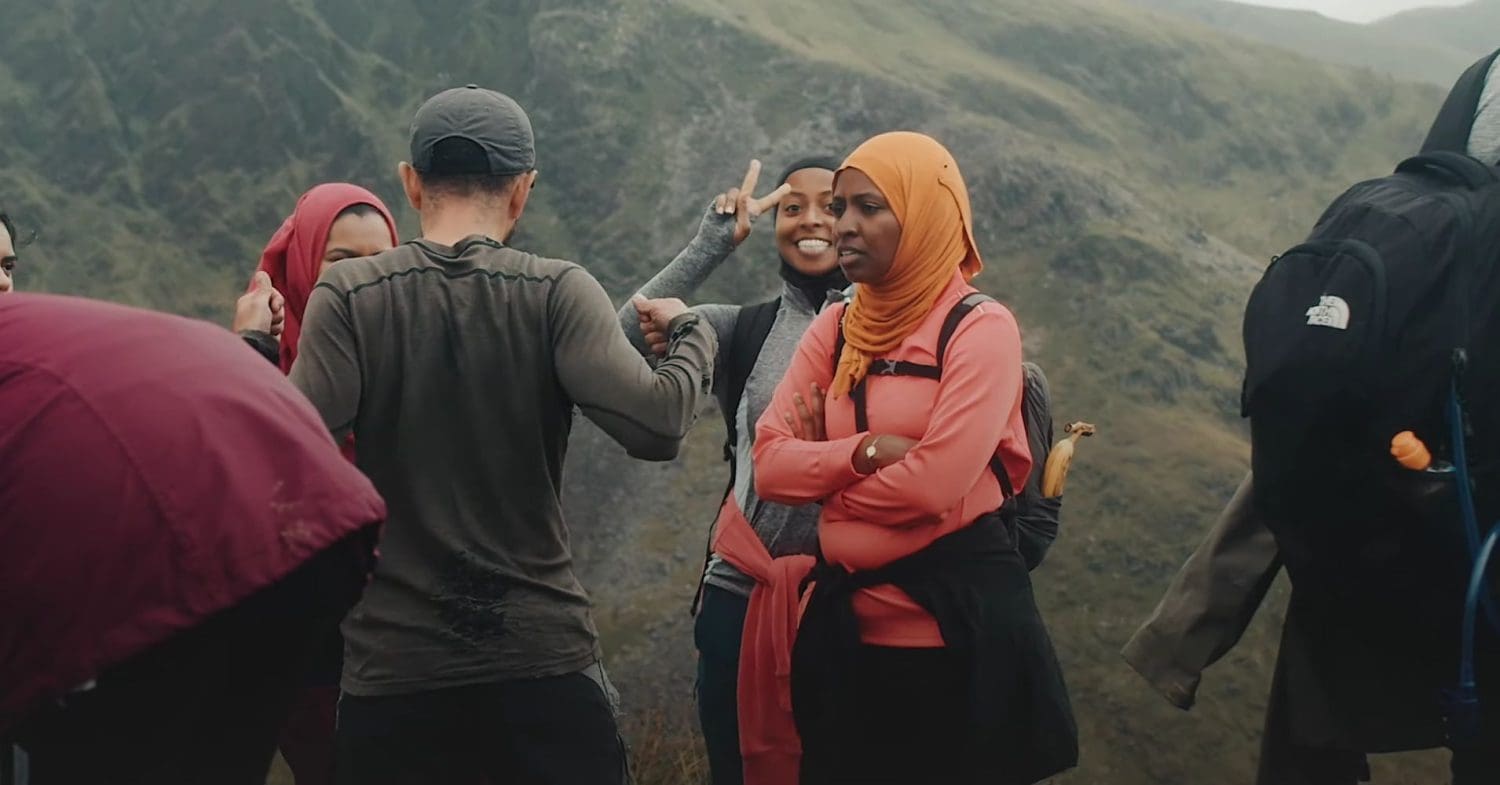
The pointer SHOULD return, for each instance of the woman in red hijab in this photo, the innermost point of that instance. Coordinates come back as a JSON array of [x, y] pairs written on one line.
[[332, 222]]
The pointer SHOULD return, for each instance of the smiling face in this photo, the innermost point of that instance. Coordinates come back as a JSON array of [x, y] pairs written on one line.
[[867, 230], [804, 223], [356, 233]]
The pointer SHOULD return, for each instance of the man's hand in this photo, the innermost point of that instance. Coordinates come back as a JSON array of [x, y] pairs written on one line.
[[262, 308], [742, 204], [806, 421], [889, 449], [656, 317]]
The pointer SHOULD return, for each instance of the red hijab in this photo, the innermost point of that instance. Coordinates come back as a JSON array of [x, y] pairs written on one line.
[[295, 252]]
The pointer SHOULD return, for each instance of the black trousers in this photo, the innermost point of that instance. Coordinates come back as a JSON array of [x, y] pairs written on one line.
[[717, 634], [205, 706], [553, 731], [908, 711]]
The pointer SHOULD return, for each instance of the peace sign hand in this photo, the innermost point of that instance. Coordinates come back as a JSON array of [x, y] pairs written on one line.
[[740, 203]]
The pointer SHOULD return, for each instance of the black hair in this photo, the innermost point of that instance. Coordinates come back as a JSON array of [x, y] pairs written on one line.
[[809, 162], [359, 210], [828, 162], [15, 243], [459, 168], [16, 240]]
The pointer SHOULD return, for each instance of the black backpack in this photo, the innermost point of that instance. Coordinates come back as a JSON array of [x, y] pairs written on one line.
[[751, 327], [1036, 518], [1360, 333]]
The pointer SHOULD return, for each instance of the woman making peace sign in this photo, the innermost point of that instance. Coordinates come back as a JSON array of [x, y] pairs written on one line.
[[755, 346]]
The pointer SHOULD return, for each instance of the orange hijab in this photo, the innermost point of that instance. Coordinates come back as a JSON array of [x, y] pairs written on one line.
[[926, 192]]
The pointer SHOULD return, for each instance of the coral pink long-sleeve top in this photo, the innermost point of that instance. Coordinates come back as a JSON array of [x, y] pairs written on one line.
[[944, 482]]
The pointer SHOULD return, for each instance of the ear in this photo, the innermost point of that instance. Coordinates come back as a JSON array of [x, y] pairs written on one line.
[[520, 193], [411, 183]]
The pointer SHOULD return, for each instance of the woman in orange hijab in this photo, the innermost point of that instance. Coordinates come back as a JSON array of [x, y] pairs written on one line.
[[921, 656]]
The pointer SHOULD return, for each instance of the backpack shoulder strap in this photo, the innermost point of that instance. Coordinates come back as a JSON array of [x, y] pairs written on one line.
[[1450, 131], [950, 325], [955, 317], [751, 327], [1454, 166]]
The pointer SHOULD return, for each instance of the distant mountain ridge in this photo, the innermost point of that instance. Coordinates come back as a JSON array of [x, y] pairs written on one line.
[[1473, 28], [1429, 45]]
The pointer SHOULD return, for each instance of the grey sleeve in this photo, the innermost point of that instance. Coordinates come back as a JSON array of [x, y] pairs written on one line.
[[648, 411], [1209, 604], [1484, 134], [685, 273], [327, 367], [722, 319]]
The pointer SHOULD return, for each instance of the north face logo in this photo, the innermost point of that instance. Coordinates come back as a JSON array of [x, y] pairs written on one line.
[[1330, 311]]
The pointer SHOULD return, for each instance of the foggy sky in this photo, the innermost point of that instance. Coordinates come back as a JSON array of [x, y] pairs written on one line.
[[1356, 10]]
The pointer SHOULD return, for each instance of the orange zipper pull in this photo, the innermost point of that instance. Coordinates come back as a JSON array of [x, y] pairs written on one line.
[[1410, 452]]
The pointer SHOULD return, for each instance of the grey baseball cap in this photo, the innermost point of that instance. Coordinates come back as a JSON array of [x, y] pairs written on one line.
[[492, 121]]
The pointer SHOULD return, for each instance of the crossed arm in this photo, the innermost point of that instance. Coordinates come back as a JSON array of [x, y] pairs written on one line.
[[907, 481]]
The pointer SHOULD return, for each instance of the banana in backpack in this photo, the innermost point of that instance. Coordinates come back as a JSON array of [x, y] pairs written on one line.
[[1055, 475]]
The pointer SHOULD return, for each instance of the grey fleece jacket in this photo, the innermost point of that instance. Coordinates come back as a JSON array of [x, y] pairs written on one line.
[[1484, 137], [784, 530]]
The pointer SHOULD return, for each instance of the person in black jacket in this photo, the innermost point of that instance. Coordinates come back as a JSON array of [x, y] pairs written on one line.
[[1320, 721]]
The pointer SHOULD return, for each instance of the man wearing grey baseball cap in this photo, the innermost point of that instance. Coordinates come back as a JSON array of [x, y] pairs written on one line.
[[456, 362]]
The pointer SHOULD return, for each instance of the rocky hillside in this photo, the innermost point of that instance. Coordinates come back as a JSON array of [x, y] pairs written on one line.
[[1130, 173]]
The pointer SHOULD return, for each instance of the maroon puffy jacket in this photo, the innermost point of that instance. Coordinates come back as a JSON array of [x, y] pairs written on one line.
[[153, 471]]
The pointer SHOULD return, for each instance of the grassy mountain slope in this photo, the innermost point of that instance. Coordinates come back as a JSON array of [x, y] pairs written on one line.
[[1429, 45], [1128, 171]]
